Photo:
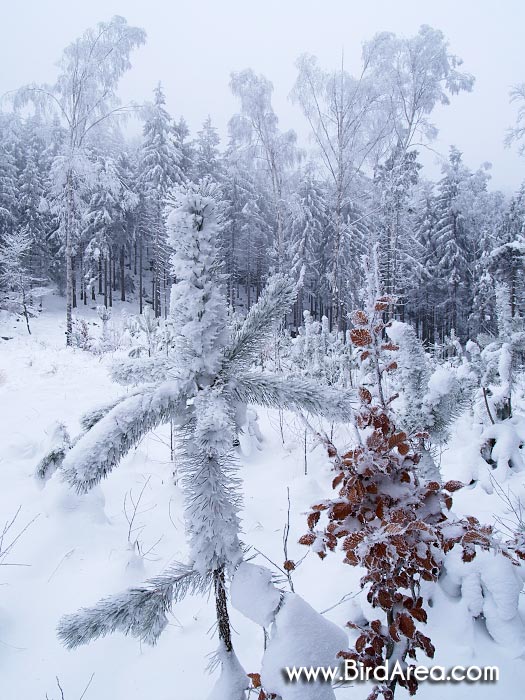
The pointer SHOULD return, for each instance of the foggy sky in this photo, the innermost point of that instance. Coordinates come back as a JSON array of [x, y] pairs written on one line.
[[193, 46]]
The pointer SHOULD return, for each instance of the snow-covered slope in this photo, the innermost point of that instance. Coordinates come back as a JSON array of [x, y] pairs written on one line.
[[77, 549]]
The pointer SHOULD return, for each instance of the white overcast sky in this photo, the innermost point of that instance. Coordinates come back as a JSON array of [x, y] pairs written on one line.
[[193, 46]]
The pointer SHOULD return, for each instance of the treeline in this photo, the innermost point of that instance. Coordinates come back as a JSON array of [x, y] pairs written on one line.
[[90, 202]]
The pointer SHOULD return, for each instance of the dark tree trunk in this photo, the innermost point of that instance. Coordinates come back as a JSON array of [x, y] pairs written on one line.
[[73, 284], [100, 275], [106, 282], [122, 276], [140, 274], [221, 607], [111, 273]]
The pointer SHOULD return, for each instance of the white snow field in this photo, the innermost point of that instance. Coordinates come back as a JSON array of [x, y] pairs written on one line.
[[76, 549]]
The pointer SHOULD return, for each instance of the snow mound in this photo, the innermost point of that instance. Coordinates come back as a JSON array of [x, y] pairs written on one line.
[[300, 636], [254, 583]]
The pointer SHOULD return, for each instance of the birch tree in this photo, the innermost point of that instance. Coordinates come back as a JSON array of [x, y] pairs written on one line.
[[84, 98]]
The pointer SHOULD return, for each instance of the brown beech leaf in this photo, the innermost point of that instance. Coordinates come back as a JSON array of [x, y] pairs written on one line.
[[350, 558], [360, 642], [313, 519], [365, 395], [337, 480], [340, 511], [403, 448], [376, 626], [419, 614], [307, 539], [385, 599], [360, 337], [359, 318], [468, 555], [394, 632], [453, 485], [255, 678], [406, 625], [396, 439]]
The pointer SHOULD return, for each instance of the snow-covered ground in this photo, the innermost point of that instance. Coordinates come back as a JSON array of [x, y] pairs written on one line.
[[76, 549]]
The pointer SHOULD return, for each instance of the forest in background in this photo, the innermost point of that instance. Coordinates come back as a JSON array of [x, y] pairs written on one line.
[[86, 203]]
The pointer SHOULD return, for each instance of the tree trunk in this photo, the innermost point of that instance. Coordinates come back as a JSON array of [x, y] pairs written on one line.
[[111, 275], [69, 258], [100, 275], [122, 276], [140, 274], [221, 607], [74, 285], [106, 282]]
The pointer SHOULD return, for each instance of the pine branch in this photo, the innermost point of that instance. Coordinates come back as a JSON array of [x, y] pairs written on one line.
[[91, 418], [139, 370], [259, 324], [100, 449], [139, 611], [60, 443], [293, 393]]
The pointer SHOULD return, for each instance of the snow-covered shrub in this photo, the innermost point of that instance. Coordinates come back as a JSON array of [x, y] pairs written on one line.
[[80, 335], [143, 330], [386, 518], [431, 397], [502, 446], [497, 365], [104, 314], [298, 635], [320, 353], [490, 587], [499, 358]]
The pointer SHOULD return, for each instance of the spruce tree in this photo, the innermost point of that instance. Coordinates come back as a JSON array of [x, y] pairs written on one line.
[[159, 171]]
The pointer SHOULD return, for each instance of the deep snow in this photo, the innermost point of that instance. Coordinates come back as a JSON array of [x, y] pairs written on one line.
[[77, 548]]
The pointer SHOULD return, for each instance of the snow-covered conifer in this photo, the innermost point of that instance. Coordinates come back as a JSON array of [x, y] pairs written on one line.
[[15, 277], [201, 386]]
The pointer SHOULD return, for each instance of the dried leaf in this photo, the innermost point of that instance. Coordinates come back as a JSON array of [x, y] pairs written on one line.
[[255, 678]]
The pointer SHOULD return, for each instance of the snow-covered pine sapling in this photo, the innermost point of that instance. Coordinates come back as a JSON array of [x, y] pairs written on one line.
[[386, 518], [499, 357], [15, 277], [430, 398], [202, 386], [503, 438], [81, 337], [104, 314], [145, 326]]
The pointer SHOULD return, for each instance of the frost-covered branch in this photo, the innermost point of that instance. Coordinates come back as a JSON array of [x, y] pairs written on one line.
[[260, 322], [101, 448], [293, 393], [139, 611]]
